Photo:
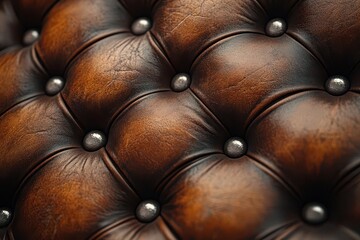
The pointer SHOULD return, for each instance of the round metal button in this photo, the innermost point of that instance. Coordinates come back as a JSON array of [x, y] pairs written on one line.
[[235, 147], [141, 26], [94, 141], [147, 211], [180, 82], [276, 27], [337, 85], [30, 36], [5, 217], [314, 213], [54, 85]]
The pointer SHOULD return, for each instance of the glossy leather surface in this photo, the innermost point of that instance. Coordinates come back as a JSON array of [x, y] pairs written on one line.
[[293, 172]]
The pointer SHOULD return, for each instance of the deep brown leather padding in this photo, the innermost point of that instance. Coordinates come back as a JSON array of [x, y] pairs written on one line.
[[303, 143]]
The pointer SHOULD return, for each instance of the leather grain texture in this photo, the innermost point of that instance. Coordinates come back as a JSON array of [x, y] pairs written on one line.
[[302, 143]]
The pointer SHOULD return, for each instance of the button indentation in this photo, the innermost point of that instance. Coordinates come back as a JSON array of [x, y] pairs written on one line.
[[94, 141], [147, 211], [276, 27], [141, 26], [180, 82], [5, 217], [235, 147], [337, 85], [30, 36], [314, 213], [54, 85]]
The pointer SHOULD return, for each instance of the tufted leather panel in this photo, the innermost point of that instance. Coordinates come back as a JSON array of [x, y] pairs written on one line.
[[180, 119]]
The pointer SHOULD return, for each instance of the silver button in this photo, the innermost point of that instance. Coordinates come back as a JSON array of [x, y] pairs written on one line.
[[337, 85], [141, 26], [30, 36], [235, 147], [5, 217], [147, 211], [94, 141], [276, 27], [180, 82], [54, 85], [314, 213]]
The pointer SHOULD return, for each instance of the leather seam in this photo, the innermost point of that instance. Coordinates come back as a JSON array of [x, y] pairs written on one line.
[[103, 231], [293, 7], [273, 105], [181, 168], [47, 11], [354, 67], [9, 6], [162, 49], [38, 62], [169, 227], [25, 100], [86, 45], [209, 112], [306, 47], [354, 235], [117, 173], [127, 106], [288, 231], [215, 42], [65, 107], [345, 180], [176, 175], [262, 8], [42, 163], [277, 230], [355, 91], [155, 5], [275, 176]]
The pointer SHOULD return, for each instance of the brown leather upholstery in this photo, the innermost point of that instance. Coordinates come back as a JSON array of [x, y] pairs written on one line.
[[257, 138]]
